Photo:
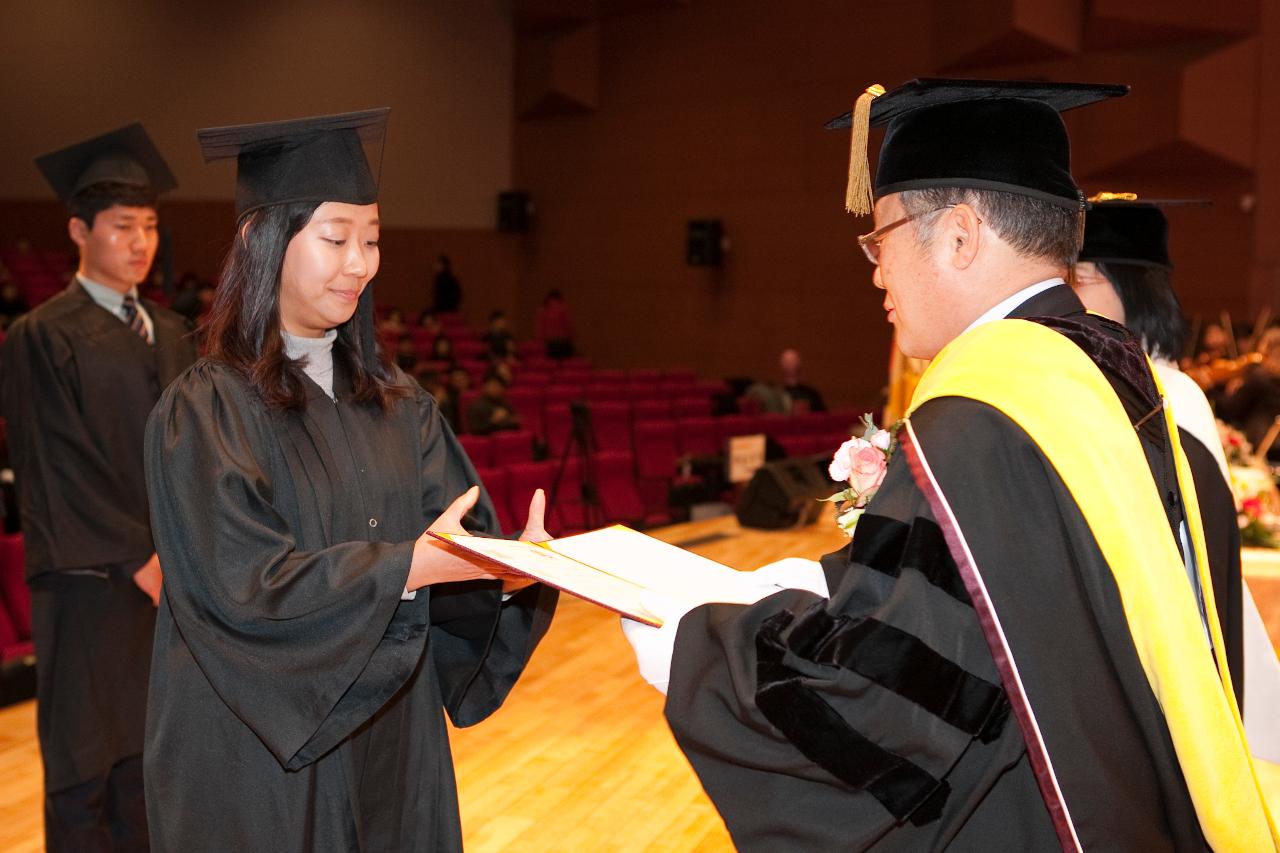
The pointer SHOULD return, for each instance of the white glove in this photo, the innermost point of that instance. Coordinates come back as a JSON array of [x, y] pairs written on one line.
[[792, 573], [654, 646]]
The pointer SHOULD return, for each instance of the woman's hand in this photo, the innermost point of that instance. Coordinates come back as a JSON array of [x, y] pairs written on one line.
[[534, 531], [435, 562]]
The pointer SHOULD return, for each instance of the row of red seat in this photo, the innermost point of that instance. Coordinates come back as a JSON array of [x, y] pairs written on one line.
[[618, 427]]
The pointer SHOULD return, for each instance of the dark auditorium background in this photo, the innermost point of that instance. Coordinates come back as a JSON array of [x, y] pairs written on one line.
[[624, 119]]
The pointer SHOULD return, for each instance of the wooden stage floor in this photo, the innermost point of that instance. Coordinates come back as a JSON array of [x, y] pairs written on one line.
[[579, 757]]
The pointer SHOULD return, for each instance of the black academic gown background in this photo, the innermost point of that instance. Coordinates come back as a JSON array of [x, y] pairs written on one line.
[[76, 387], [875, 719], [297, 703]]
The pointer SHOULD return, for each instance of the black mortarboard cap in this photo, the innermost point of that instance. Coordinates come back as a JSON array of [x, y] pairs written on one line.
[[1121, 228], [123, 156], [316, 159], [982, 134]]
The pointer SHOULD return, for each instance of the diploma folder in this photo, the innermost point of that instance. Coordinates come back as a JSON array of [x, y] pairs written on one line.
[[613, 567]]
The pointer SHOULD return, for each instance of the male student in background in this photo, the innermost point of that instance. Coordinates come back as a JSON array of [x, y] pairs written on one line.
[[78, 377]]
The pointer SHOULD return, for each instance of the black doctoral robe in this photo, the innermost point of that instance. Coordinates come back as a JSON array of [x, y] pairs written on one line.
[[76, 387], [297, 703], [876, 719]]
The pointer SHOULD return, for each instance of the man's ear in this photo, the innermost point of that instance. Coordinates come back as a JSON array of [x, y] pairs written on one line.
[[78, 230], [964, 237]]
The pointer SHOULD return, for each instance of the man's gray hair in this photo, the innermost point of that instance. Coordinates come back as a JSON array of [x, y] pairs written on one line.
[[1033, 227]]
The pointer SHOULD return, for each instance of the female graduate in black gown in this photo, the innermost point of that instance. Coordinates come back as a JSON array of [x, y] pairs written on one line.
[[312, 636]]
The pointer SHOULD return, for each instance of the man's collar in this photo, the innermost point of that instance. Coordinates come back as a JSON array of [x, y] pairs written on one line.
[[1006, 306], [107, 297]]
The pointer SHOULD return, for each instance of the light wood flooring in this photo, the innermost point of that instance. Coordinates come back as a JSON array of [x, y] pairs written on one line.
[[578, 759]]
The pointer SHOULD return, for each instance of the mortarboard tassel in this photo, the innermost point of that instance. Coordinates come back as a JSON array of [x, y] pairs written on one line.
[[857, 194], [1106, 196]]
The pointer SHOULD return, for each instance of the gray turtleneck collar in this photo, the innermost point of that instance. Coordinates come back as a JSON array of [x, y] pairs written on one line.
[[316, 355]]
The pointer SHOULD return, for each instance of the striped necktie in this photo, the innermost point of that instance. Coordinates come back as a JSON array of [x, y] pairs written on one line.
[[134, 318]]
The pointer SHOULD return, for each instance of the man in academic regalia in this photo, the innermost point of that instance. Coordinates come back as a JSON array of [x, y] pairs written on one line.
[[78, 377], [1018, 649]]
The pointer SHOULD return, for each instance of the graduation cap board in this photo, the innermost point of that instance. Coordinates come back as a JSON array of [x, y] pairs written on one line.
[[318, 159], [982, 134], [124, 156], [1121, 228]]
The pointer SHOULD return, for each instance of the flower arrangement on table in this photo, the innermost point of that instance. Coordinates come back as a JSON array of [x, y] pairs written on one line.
[[1254, 489], [861, 462]]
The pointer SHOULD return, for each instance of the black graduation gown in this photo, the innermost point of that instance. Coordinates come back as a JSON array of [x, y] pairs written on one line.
[[76, 387], [876, 719], [297, 703]]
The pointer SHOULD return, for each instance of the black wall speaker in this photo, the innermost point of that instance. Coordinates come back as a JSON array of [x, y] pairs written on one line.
[[513, 211], [703, 243], [785, 493]]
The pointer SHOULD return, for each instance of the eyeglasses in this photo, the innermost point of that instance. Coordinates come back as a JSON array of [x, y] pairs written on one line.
[[870, 243]]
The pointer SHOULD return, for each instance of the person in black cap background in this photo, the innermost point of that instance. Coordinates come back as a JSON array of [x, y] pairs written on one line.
[[1125, 273], [313, 633], [1010, 654], [80, 375]]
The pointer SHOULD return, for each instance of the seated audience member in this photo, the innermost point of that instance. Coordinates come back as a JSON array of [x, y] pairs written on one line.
[[802, 397], [1251, 404], [430, 322], [790, 395], [186, 296], [451, 406], [406, 354], [12, 303], [490, 412], [555, 328], [432, 382], [393, 323], [205, 297], [442, 350], [499, 341]]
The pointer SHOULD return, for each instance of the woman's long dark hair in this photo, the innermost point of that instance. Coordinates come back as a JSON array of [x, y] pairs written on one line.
[[1151, 308], [243, 330]]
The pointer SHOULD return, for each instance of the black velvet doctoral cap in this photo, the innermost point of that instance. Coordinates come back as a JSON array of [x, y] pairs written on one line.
[[123, 156], [1121, 228], [981, 134], [316, 159]]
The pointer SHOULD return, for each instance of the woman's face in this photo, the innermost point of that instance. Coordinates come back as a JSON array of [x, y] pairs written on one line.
[[327, 266], [1097, 292]]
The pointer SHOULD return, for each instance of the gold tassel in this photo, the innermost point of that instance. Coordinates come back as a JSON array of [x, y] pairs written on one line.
[[857, 193], [1105, 196]]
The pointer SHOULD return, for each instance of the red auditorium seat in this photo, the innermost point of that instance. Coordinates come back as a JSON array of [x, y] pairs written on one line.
[[651, 410], [656, 450], [577, 362], [684, 375], [731, 425], [648, 392], [643, 376], [618, 494], [525, 479], [607, 393], [527, 403], [14, 595], [697, 436], [8, 635], [511, 446], [692, 407], [559, 394], [464, 406], [572, 376], [469, 349], [559, 423], [479, 449], [613, 377], [565, 507], [611, 424], [497, 482]]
